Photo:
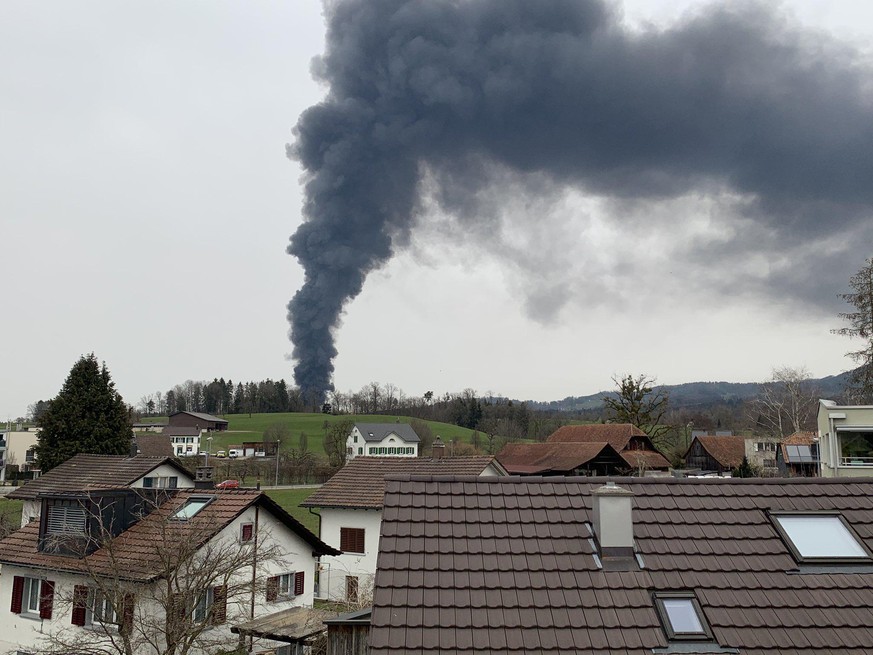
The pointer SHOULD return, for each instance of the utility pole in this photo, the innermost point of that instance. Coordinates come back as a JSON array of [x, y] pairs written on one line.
[[278, 441]]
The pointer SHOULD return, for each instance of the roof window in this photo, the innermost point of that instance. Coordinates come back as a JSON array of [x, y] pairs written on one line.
[[191, 507], [820, 538], [681, 617], [799, 454]]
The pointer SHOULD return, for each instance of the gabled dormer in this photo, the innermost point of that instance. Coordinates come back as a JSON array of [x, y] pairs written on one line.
[[77, 523]]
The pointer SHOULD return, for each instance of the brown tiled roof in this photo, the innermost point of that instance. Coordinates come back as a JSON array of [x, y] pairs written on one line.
[[727, 451], [650, 458], [531, 458], [180, 431], [361, 482], [136, 553], [153, 445], [616, 434], [83, 472], [800, 439], [202, 416], [505, 566]]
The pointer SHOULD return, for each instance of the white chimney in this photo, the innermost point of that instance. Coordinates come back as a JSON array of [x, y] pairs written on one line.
[[613, 522]]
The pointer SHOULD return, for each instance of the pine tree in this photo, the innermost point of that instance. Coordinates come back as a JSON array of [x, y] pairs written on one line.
[[87, 416], [861, 327]]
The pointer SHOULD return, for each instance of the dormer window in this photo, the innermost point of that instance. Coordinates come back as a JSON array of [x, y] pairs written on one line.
[[820, 538], [682, 617], [191, 508], [65, 518]]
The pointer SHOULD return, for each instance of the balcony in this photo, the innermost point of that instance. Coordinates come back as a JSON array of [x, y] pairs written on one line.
[[856, 461]]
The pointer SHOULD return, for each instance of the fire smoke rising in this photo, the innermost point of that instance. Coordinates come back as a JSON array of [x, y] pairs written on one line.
[[740, 98]]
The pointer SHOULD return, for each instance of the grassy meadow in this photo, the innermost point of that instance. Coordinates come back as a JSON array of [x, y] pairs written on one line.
[[289, 499]]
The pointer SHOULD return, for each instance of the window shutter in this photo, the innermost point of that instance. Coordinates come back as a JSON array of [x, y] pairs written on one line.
[[247, 532], [46, 599], [127, 614], [17, 593], [272, 588], [80, 602], [298, 583], [219, 605]]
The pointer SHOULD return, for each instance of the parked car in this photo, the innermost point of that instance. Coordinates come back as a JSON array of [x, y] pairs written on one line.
[[221, 453], [228, 484]]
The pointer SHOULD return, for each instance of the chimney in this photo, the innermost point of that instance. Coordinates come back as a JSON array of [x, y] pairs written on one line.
[[438, 448], [613, 525], [203, 478]]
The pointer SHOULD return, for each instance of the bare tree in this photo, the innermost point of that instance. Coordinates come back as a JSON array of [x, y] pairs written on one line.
[[199, 578], [639, 401], [786, 402]]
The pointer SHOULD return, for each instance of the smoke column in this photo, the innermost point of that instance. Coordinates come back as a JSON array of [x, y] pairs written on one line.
[[449, 89]]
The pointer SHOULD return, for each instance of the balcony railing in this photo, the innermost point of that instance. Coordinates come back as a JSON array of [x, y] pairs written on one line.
[[856, 461]]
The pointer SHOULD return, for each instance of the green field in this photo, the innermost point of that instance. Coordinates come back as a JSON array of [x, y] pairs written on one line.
[[289, 499], [242, 427]]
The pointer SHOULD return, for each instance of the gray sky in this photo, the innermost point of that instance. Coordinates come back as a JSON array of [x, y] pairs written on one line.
[[147, 202]]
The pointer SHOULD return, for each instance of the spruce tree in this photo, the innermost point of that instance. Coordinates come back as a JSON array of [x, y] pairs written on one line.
[[87, 416]]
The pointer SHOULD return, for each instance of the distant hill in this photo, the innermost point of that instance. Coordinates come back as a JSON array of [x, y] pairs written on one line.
[[694, 395]]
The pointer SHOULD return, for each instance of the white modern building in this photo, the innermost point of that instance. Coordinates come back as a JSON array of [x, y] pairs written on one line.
[[845, 435]]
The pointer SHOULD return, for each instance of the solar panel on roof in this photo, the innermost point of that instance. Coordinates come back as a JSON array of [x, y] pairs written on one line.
[[793, 453], [805, 454]]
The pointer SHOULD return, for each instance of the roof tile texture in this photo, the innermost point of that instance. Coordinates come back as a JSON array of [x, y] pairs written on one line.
[[616, 435], [83, 472], [505, 566], [727, 451], [361, 482], [564, 457]]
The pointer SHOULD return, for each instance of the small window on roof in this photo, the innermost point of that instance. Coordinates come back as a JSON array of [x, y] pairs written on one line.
[[681, 616], [820, 538], [191, 508]]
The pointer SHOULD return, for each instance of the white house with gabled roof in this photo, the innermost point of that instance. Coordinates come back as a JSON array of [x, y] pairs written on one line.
[[382, 440]]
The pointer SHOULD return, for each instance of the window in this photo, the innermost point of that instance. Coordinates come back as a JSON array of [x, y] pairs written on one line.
[[201, 607], [352, 540], [360, 451], [65, 518], [765, 446], [681, 616], [769, 463], [285, 586], [32, 596], [246, 532], [30, 456], [856, 447], [102, 609], [191, 507], [820, 538], [161, 482]]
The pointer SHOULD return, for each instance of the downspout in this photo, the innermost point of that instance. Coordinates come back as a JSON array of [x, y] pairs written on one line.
[[254, 574], [319, 520]]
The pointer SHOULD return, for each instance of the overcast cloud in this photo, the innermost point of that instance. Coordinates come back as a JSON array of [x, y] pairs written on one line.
[[146, 198]]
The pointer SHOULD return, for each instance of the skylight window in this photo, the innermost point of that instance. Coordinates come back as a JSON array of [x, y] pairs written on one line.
[[681, 617], [191, 508], [799, 454], [820, 538]]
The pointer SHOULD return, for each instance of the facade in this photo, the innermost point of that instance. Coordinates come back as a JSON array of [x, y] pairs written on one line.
[[185, 441], [761, 453], [85, 472], [17, 448], [634, 566], [719, 454], [64, 585], [382, 440], [633, 445], [846, 439], [798, 455], [350, 505], [198, 420]]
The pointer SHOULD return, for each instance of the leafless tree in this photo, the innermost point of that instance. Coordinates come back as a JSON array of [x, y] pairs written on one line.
[[786, 402]]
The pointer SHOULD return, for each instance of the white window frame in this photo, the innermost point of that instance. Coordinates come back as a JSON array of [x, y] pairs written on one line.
[[200, 612], [31, 589], [101, 610]]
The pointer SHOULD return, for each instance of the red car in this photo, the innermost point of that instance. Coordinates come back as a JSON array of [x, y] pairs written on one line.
[[228, 484]]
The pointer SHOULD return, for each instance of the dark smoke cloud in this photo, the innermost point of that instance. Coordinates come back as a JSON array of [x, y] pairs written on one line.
[[456, 91]]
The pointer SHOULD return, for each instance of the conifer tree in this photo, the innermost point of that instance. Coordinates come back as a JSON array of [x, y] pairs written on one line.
[[861, 327], [87, 416]]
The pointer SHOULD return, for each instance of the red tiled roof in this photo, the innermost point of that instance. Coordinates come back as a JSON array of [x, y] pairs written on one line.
[[505, 566], [136, 553], [544, 457], [83, 472], [361, 482], [800, 439], [650, 459], [727, 451], [616, 434]]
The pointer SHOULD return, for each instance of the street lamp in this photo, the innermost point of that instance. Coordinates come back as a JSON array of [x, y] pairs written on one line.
[[208, 449], [278, 441]]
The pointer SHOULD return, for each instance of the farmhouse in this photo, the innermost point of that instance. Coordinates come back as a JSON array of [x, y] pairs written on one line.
[[561, 459], [198, 420], [639, 566], [719, 454], [85, 472], [383, 440], [114, 570], [350, 505], [798, 455], [633, 445]]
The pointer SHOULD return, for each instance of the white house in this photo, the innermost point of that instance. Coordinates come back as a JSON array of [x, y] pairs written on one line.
[[95, 569], [350, 505], [185, 441], [382, 440], [845, 435], [84, 472]]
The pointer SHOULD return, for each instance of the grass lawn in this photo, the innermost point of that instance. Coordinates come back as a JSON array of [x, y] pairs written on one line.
[[289, 499], [242, 427]]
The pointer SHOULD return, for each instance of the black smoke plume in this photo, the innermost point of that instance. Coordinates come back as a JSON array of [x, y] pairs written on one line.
[[449, 90]]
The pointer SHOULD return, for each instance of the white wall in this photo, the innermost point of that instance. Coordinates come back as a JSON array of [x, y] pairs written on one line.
[[165, 470], [831, 417], [334, 570], [355, 442]]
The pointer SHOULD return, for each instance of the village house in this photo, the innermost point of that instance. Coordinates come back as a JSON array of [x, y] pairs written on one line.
[[198, 420], [596, 449], [133, 570], [798, 455], [382, 440], [632, 566], [84, 472], [715, 454], [846, 439], [350, 506]]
